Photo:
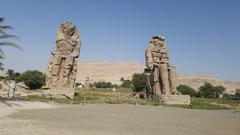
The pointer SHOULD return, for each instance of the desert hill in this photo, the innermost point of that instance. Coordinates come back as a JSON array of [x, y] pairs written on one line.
[[197, 81], [112, 72], [105, 71]]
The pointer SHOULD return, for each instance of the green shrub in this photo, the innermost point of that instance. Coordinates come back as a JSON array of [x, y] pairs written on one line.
[[15, 75], [218, 90], [32, 78], [138, 82], [103, 84], [209, 91], [186, 90], [126, 83], [10, 73], [77, 84], [237, 95], [238, 92]]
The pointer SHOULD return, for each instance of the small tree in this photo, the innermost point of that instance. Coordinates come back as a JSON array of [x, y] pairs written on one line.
[[125, 83], [206, 90], [103, 84], [237, 94], [218, 90], [15, 75], [138, 82], [209, 91], [10, 73], [32, 78], [186, 90]]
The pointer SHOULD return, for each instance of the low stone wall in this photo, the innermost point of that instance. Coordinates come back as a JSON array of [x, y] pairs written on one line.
[[175, 99], [68, 93]]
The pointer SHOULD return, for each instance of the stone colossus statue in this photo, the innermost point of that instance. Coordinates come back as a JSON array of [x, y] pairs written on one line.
[[62, 67], [161, 76]]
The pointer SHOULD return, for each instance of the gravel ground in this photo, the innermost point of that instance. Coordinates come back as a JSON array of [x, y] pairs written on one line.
[[119, 119], [7, 106]]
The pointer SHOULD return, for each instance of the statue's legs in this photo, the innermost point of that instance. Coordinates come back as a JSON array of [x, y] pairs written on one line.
[[157, 86], [56, 68], [149, 90], [67, 69], [164, 78], [55, 71], [173, 80], [49, 72], [152, 90], [73, 74]]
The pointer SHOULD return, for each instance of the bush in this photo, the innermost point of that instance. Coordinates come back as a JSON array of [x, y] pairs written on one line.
[[32, 78], [237, 92], [103, 84], [186, 90], [218, 90], [209, 91], [237, 95], [15, 75], [2, 77], [10, 74], [77, 84], [125, 83], [138, 82]]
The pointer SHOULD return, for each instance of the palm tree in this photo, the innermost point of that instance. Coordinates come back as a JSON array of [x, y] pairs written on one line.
[[10, 73], [1, 66], [4, 35]]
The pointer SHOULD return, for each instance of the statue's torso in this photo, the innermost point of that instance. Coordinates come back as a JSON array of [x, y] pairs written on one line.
[[65, 47], [159, 55]]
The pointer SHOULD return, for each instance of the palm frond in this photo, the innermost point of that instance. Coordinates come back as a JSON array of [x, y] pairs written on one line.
[[2, 54], [8, 36], [1, 66], [5, 27], [10, 44], [2, 32], [1, 19]]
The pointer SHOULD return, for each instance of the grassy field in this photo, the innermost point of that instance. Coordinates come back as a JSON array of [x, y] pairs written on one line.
[[127, 96]]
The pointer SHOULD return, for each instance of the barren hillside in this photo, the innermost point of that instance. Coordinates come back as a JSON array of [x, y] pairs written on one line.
[[197, 81], [105, 71], [112, 72]]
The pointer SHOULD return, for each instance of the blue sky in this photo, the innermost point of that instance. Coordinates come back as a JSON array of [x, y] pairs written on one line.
[[202, 35]]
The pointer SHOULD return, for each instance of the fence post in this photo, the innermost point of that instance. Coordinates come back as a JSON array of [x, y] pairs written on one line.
[[136, 100], [84, 100], [104, 98], [119, 98]]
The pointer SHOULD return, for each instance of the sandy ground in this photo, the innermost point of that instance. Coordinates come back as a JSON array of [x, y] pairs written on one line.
[[109, 119], [8, 106]]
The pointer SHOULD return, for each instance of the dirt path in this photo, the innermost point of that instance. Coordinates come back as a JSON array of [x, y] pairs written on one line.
[[120, 120]]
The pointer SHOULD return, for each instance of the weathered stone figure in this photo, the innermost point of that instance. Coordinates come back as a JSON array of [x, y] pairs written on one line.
[[62, 67], [161, 75], [87, 83]]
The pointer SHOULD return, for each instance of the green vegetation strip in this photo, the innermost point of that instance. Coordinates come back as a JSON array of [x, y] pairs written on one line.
[[125, 96]]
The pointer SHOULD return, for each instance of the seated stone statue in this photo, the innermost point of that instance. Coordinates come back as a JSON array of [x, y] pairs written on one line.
[[161, 76]]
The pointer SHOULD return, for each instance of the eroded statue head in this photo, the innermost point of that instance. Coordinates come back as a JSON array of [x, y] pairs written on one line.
[[68, 29]]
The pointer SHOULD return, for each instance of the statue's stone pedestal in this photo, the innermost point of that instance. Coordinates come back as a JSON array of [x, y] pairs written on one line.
[[66, 93], [175, 99]]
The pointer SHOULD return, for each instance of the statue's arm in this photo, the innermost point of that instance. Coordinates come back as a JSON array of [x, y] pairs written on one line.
[[57, 47], [149, 59], [53, 52], [76, 51]]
